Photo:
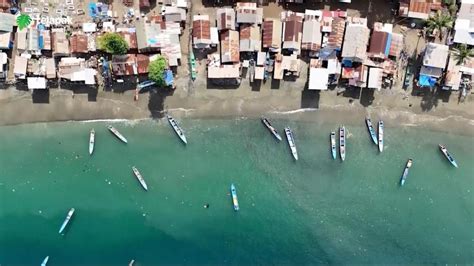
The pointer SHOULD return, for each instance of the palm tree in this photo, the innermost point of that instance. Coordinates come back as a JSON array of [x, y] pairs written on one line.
[[439, 22], [462, 53]]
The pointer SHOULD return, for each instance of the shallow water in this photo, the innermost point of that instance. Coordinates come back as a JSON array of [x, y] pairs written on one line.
[[315, 210]]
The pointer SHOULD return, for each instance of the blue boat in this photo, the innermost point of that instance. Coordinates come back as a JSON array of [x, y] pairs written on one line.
[[333, 145], [233, 191], [405, 172], [448, 155], [371, 130], [66, 221]]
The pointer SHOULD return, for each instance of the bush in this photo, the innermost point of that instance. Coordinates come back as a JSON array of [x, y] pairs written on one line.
[[156, 71]]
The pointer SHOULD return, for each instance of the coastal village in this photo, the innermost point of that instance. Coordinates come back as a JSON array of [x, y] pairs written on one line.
[[251, 44]]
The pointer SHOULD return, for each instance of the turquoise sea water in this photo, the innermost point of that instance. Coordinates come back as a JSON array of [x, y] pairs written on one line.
[[315, 210]]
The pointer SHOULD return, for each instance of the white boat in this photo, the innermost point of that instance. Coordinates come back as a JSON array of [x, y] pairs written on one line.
[[291, 142], [268, 125], [66, 221], [45, 261], [235, 201], [342, 142], [381, 136], [373, 136], [131, 263], [448, 155], [139, 177], [91, 141], [333, 145], [174, 124], [117, 134], [405, 172]]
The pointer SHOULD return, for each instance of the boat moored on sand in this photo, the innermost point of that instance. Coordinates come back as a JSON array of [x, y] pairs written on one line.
[[268, 125], [333, 144], [91, 141], [117, 134], [405, 172], [342, 142], [448, 155], [291, 142], [179, 131], [66, 221], [235, 201], [139, 177], [371, 129], [381, 129]]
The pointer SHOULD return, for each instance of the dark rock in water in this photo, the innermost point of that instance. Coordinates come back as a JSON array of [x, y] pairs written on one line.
[[206, 206]]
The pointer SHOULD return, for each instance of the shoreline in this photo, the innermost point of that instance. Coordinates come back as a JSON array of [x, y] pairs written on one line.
[[349, 114]]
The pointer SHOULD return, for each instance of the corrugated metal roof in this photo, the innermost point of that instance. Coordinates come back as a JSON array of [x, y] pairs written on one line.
[[337, 33], [201, 30], [378, 43], [230, 46], [78, 43]]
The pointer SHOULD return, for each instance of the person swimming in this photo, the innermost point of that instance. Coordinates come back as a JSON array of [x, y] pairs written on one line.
[[206, 206]]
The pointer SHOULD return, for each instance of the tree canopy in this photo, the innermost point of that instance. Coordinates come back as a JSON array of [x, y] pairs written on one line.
[[113, 43], [439, 22], [156, 70], [462, 53]]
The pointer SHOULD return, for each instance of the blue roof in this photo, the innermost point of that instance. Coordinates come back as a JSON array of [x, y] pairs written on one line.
[[169, 77], [426, 81]]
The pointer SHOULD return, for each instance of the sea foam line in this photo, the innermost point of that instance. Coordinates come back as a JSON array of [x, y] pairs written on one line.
[[302, 110]]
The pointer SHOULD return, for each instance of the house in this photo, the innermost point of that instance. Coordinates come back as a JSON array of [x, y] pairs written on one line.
[[20, 66], [148, 36], [20, 39], [5, 40], [76, 69], [44, 39], [230, 46], [130, 36], [419, 9], [143, 61], [355, 76], [464, 25], [163, 37], [173, 13], [179, 3], [50, 68], [60, 43], [312, 36], [4, 5], [396, 46], [318, 76], [89, 27], [336, 36], [379, 44], [250, 39], [32, 40], [453, 77], [78, 44], [435, 59], [201, 31], [271, 32], [355, 42], [286, 64], [3, 65], [224, 74], [225, 18], [375, 78], [7, 21], [36, 83], [249, 13], [124, 65], [292, 31]]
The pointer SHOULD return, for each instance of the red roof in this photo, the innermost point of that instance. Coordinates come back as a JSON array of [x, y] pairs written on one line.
[[202, 29], [78, 44], [267, 34], [142, 63]]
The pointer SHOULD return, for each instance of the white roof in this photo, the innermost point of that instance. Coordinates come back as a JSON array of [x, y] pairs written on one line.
[[20, 66], [223, 72], [214, 35], [36, 83], [5, 40], [3, 58], [375, 78], [89, 27], [356, 40], [318, 79], [261, 58], [436, 55], [259, 72], [334, 67], [464, 32]]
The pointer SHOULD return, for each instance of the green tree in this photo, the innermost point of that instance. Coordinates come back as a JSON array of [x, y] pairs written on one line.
[[113, 43], [462, 53], [439, 22], [156, 70]]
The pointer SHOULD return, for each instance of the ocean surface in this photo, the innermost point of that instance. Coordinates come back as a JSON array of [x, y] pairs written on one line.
[[313, 211]]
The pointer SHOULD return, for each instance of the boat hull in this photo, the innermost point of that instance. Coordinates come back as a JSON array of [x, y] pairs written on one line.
[[91, 142], [342, 143], [381, 133], [332, 137], [272, 130], [177, 129], [448, 156], [66, 221], [117, 134], [45, 261], [235, 201], [140, 178], [291, 143], [371, 129], [405, 172]]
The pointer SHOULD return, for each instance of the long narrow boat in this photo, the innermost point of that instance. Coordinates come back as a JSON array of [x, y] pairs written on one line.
[[333, 144], [45, 261], [405, 171], [371, 130], [291, 142], [235, 201], [91, 141], [131, 263], [66, 221], [192, 62], [448, 155], [117, 134], [381, 136], [174, 124], [342, 142], [267, 124], [140, 178]]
